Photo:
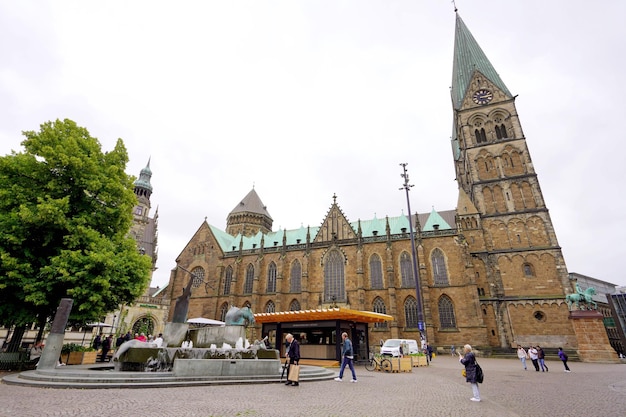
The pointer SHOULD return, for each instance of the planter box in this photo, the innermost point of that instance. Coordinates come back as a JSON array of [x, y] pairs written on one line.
[[406, 364], [419, 361], [401, 364], [78, 358]]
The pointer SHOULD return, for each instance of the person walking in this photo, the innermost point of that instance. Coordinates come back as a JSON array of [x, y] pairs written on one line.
[[532, 352], [542, 359], [97, 342], [119, 341], [563, 357], [522, 355], [293, 353], [469, 361], [106, 346], [348, 355]]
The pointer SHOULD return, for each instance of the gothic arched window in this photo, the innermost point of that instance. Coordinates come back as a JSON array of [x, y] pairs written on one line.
[[271, 278], [446, 313], [270, 307], [296, 277], [481, 136], [440, 274], [228, 280], [501, 132], [223, 311], [247, 286], [378, 306], [408, 280], [410, 313], [376, 272], [294, 306], [334, 281]]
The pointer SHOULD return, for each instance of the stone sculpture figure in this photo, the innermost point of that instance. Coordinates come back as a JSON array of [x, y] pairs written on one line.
[[238, 316], [182, 304]]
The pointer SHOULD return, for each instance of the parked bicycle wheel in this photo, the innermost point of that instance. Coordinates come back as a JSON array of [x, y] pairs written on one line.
[[370, 365], [385, 364]]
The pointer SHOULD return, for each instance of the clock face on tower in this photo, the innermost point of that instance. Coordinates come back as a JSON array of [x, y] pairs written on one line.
[[482, 96]]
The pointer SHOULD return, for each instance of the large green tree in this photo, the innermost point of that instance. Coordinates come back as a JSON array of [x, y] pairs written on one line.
[[65, 215]]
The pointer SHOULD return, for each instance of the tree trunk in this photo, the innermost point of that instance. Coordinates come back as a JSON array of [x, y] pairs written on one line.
[[16, 339]]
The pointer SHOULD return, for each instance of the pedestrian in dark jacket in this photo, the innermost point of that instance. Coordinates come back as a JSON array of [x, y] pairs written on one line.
[[541, 355], [469, 360], [293, 353], [106, 347], [97, 342], [563, 357]]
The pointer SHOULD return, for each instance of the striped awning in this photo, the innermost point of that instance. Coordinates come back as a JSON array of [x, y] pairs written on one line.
[[338, 313]]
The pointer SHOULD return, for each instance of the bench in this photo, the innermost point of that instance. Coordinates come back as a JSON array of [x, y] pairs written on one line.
[[16, 361]]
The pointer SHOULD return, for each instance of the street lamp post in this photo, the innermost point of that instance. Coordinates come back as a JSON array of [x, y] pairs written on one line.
[[113, 325], [420, 311]]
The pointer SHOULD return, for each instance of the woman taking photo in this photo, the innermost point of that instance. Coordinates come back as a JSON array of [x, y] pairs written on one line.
[[469, 361]]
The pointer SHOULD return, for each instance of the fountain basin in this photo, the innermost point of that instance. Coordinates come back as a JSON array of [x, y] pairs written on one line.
[[226, 367]]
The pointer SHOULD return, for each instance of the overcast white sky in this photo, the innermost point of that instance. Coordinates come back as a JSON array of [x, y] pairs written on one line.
[[304, 99]]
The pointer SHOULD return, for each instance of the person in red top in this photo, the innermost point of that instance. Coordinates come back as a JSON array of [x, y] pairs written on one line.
[[142, 338]]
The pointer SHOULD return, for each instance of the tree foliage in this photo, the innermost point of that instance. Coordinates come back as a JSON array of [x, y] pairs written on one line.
[[65, 215]]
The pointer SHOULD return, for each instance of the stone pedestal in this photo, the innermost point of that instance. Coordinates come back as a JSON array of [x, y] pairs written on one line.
[[593, 342], [226, 367]]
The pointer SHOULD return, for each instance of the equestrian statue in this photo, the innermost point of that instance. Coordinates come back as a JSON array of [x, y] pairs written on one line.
[[581, 296]]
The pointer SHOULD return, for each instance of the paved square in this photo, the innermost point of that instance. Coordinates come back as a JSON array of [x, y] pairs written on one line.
[[439, 390]]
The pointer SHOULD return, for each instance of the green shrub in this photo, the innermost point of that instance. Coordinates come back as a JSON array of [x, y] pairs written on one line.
[[75, 347]]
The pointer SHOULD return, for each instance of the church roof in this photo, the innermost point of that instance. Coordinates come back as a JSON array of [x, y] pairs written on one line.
[[468, 58], [298, 236], [435, 222], [251, 203]]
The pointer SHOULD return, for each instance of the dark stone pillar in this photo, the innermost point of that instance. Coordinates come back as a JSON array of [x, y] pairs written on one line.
[[52, 351]]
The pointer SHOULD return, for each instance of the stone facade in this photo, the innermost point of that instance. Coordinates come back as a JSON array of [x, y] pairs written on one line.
[[592, 337], [492, 273]]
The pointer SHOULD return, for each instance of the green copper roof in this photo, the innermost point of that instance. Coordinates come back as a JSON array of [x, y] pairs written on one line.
[[468, 57], [223, 239], [230, 243], [435, 220], [144, 178]]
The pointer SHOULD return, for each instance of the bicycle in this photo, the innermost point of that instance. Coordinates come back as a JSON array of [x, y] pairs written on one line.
[[378, 363]]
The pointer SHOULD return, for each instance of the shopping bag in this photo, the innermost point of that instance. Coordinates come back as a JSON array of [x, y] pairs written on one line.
[[479, 374], [294, 373], [463, 373]]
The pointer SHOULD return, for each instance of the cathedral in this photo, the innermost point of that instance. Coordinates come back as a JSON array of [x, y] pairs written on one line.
[[489, 273]]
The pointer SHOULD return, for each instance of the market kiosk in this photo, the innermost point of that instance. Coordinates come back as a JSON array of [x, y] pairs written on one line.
[[319, 331]]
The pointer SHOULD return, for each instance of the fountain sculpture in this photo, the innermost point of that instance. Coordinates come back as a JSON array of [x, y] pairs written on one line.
[[217, 351], [220, 354]]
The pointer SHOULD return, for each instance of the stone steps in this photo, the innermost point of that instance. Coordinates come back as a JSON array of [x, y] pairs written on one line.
[[66, 377]]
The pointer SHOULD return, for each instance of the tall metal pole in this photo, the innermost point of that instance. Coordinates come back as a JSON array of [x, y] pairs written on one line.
[[420, 311]]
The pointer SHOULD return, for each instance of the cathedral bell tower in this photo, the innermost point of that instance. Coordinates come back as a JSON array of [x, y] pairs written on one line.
[[501, 209], [144, 228]]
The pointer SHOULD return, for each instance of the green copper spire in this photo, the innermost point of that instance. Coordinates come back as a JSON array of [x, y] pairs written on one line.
[[468, 57], [144, 178]]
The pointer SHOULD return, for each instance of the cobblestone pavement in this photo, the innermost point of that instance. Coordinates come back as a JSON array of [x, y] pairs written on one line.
[[439, 390]]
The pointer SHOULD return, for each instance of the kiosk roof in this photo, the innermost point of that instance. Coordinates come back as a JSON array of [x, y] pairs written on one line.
[[337, 313]]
